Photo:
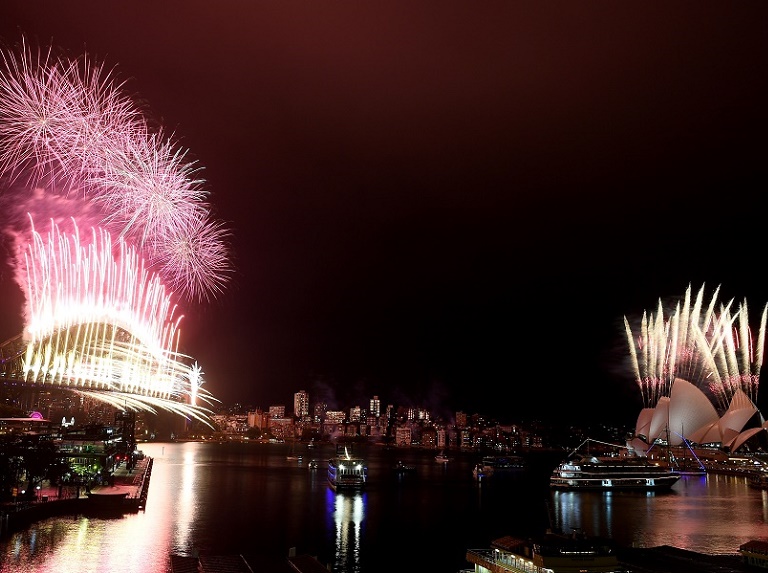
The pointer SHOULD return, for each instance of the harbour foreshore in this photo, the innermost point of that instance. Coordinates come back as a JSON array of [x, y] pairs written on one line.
[[131, 486]]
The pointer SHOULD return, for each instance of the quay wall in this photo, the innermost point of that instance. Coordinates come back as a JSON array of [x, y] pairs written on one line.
[[15, 517]]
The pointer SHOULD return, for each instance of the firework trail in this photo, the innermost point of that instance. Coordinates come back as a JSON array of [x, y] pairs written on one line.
[[713, 350], [76, 150], [67, 128]]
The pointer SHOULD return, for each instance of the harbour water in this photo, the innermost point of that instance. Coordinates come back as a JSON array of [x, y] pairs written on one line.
[[250, 499]]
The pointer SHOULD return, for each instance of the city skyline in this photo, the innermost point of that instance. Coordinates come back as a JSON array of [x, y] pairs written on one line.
[[452, 205]]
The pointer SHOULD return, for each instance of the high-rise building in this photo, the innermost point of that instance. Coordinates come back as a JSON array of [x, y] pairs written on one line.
[[301, 404], [375, 407], [277, 411]]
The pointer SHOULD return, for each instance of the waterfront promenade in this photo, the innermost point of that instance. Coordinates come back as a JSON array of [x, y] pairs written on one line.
[[127, 492]]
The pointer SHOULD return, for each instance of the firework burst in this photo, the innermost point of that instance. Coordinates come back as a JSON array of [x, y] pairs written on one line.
[[100, 317], [67, 126], [712, 347]]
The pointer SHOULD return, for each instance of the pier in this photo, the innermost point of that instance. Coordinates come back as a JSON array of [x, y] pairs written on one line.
[[126, 493]]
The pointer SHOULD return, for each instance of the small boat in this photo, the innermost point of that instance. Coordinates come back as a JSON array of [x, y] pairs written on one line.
[[687, 465], [312, 465], [481, 471], [292, 455], [442, 458], [504, 462], [346, 471], [403, 468], [759, 480]]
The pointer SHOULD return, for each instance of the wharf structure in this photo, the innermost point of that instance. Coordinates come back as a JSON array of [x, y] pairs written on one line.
[[578, 553], [126, 493]]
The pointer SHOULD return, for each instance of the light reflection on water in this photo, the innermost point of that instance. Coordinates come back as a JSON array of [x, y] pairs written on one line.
[[712, 514], [348, 510], [250, 500]]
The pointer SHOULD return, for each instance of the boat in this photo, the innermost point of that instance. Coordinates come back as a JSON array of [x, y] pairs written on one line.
[[759, 480], [292, 455], [402, 468], [549, 552], [481, 471], [347, 471], [625, 471], [442, 458], [504, 462], [690, 469], [312, 465], [688, 465]]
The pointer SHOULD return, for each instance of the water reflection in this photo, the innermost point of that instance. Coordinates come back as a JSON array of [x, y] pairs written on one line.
[[248, 499], [695, 512], [187, 506], [348, 514]]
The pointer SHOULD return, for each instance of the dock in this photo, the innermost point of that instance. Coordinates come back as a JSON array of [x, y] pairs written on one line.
[[128, 488], [126, 493]]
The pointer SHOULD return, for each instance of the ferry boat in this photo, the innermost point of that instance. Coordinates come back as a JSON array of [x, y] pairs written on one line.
[[548, 552], [620, 472], [346, 471]]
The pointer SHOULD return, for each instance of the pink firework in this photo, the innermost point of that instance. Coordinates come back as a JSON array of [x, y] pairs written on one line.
[[57, 116], [97, 321], [66, 126], [100, 314]]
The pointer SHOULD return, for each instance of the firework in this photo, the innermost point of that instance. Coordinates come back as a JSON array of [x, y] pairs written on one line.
[[100, 317], [710, 347], [67, 127], [102, 323]]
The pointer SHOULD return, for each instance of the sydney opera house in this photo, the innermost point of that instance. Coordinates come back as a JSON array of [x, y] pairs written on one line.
[[698, 371]]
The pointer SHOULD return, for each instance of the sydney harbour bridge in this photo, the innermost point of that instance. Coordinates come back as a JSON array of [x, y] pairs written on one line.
[[109, 231], [69, 373]]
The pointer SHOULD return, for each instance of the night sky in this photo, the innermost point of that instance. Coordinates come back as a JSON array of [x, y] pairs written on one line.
[[447, 204]]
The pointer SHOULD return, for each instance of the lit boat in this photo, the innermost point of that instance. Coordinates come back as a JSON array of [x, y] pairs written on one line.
[[505, 462], [481, 471], [346, 471], [620, 472], [403, 468], [548, 552], [442, 458]]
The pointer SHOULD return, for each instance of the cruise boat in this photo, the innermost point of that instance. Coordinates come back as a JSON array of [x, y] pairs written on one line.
[[346, 471], [620, 472]]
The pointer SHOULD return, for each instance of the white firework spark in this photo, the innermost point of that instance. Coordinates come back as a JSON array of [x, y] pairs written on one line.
[[712, 349]]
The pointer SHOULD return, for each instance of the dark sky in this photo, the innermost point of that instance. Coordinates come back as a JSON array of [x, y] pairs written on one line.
[[450, 204]]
